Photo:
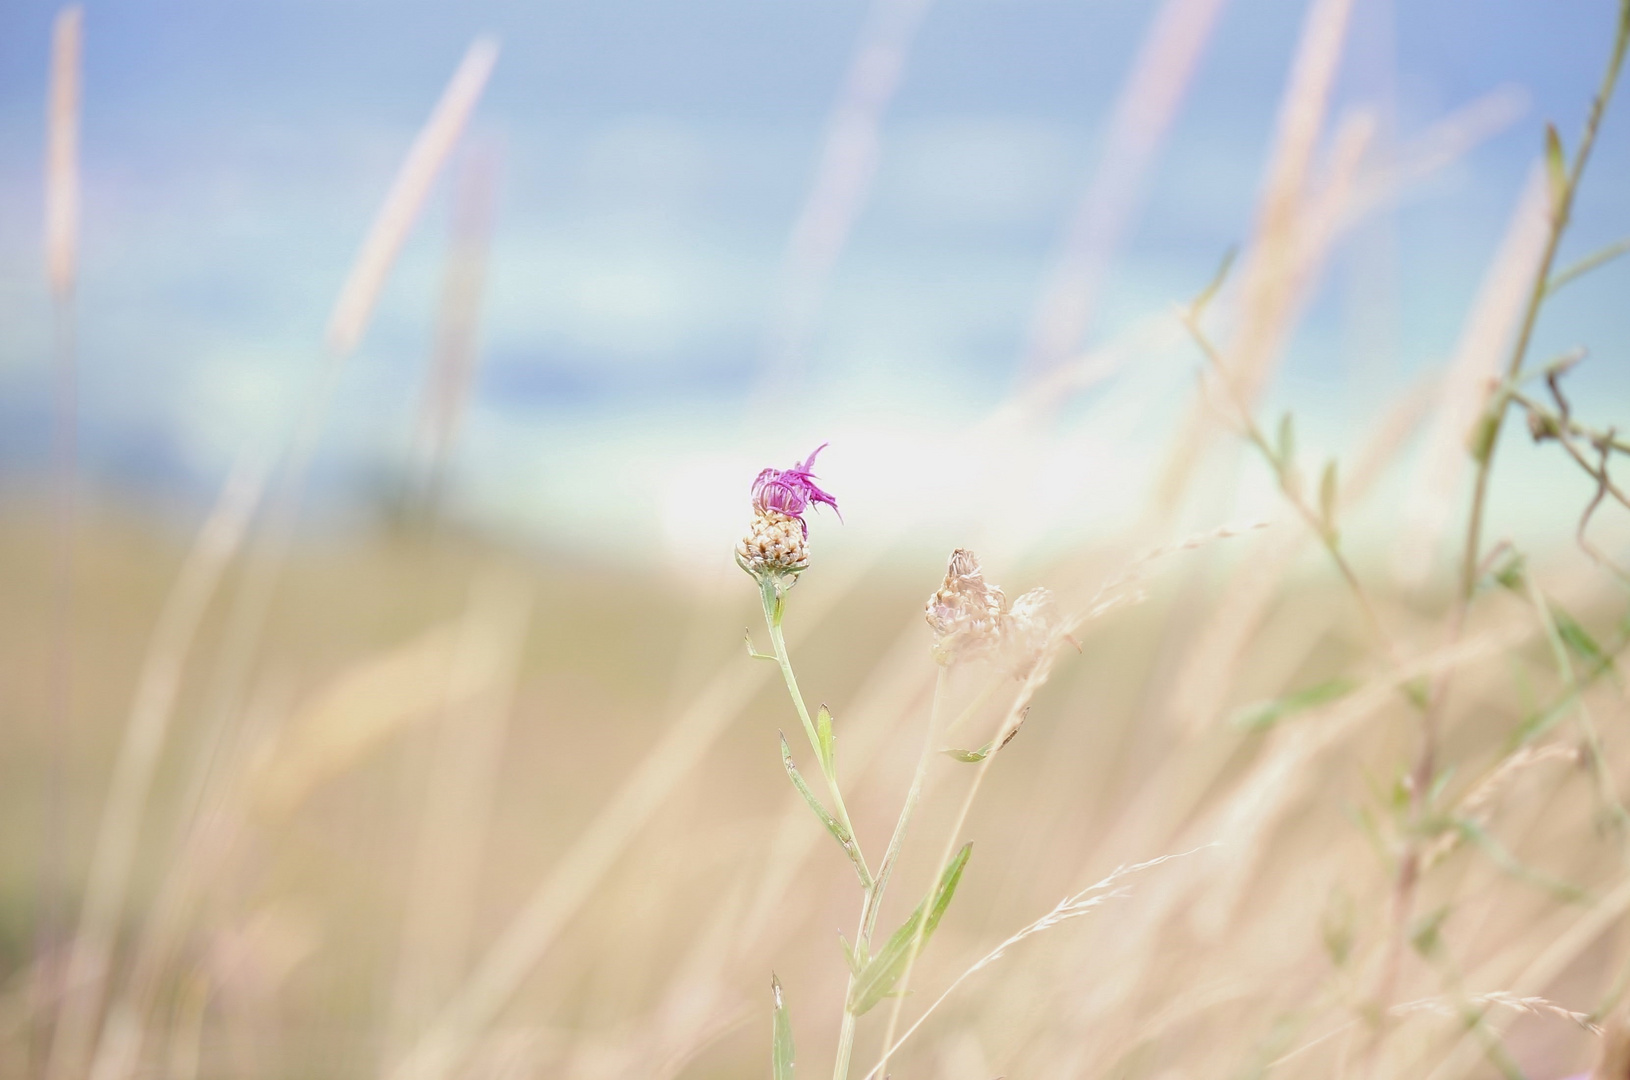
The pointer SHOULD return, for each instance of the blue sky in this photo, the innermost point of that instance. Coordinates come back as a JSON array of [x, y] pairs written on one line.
[[655, 156]]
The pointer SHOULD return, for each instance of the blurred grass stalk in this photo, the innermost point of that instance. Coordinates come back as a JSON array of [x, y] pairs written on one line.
[[839, 189], [61, 209], [465, 745], [1139, 122], [1206, 784], [214, 547], [456, 351], [119, 1048]]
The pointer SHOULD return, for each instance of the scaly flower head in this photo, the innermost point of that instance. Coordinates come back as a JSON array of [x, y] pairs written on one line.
[[790, 491], [966, 611], [774, 546]]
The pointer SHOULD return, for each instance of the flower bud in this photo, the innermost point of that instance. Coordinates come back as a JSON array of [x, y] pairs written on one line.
[[774, 546]]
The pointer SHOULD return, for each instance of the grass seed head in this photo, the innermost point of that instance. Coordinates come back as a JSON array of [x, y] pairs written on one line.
[[1030, 626]]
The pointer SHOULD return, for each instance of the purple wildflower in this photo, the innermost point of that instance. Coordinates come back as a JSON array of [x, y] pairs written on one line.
[[790, 491]]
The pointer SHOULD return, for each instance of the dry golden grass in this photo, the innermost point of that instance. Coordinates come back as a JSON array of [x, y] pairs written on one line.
[[416, 804], [303, 928]]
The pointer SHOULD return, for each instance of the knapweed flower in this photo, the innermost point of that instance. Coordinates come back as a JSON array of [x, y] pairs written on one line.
[[966, 611], [777, 541], [790, 491]]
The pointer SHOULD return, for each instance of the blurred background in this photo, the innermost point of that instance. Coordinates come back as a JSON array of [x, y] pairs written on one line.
[[647, 302], [370, 640]]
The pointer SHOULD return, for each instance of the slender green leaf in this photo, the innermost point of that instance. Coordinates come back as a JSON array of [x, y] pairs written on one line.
[[833, 825], [973, 757], [1427, 933], [747, 635], [1338, 926], [823, 733], [1439, 784], [1556, 169], [781, 1052], [876, 981], [1207, 294], [1480, 439], [1327, 495], [1598, 258], [1574, 636], [1510, 574], [1266, 714], [853, 955], [1287, 441], [1510, 864]]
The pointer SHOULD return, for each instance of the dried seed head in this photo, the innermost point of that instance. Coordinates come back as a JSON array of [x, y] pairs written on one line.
[[966, 612], [774, 545]]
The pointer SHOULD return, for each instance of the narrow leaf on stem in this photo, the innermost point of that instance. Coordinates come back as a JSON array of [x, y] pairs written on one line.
[[1266, 714], [1207, 294], [854, 956], [823, 735], [1556, 170], [833, 825], [747, 636], [1287, 441], [782, 1051], [1327, 497], [877, 979]]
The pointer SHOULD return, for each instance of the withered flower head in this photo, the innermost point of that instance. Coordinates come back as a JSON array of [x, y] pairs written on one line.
[[966, 611], [1029, 629]]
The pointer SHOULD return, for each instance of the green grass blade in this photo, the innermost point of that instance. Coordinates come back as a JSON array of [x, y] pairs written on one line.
[[1266, 714]]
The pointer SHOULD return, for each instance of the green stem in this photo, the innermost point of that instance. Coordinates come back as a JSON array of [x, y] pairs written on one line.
[[868, 922], [1561, 212], [873, 902], [774, 606], [846, 1039], [772, 618]]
